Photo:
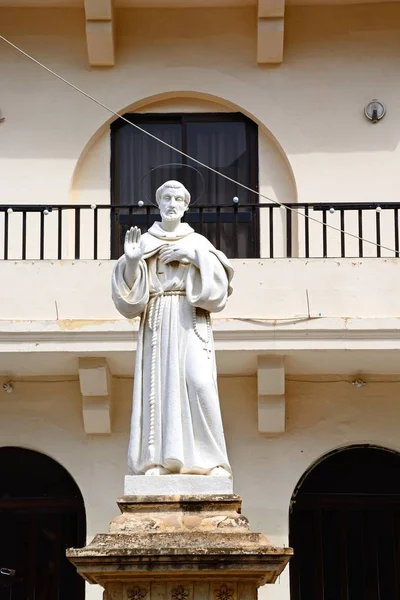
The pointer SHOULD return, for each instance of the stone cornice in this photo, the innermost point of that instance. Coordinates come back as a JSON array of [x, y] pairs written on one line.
[[229, 334]]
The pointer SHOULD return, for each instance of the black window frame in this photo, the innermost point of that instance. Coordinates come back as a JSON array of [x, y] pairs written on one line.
[[183, 119]]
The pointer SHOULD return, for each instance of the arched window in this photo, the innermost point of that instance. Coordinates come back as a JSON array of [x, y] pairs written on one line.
[[227, 142], [345, 528], [41, 514]]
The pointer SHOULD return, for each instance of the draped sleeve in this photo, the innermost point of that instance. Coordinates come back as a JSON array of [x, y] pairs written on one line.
[[208, 285], [130, 302]]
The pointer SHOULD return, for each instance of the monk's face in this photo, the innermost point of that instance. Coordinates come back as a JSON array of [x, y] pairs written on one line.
[[172, 204]]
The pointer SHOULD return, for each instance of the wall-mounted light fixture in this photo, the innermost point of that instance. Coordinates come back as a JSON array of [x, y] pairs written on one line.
[[358, 383], [375, 110]]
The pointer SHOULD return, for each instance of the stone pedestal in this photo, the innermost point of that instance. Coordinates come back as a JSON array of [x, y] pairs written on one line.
[[182, 485], [192, 547]]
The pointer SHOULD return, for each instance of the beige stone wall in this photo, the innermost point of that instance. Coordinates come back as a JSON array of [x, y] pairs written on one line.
[[79, 291], [336, 59], [91, 179], [315, 146], [46, 416]]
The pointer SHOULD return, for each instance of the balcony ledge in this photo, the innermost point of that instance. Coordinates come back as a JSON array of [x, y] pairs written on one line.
[[317, 346], [229, 334]]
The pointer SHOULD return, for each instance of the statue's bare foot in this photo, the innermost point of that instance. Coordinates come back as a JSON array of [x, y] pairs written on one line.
[[220, 472], [158, 470]]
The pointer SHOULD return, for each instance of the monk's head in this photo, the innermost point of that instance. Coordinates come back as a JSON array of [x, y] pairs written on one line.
[[173, 200]]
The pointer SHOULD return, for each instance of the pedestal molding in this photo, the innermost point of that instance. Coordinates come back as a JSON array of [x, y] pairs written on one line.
[[182, 539]]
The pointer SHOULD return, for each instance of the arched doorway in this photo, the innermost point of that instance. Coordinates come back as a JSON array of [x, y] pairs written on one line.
[[41, 514], [345, 527]]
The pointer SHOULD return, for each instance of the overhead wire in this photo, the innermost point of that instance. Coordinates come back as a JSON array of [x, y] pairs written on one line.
[[353, 381], [195, 160]]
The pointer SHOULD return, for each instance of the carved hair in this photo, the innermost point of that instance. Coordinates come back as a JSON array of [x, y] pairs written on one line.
[[174, 185]]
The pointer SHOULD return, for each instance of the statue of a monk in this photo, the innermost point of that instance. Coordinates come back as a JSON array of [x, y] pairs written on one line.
[[173, 278]]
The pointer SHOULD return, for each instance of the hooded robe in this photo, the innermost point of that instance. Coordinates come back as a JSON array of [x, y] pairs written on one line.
[[176, 418]]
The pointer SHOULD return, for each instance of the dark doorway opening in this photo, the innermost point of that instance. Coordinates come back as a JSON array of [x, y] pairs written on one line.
[[345, 528], [41, 514]]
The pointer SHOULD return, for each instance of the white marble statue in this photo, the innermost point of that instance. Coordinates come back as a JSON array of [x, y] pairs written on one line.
[[173, 278]]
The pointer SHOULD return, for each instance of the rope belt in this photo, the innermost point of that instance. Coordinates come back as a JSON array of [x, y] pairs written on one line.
[[168, 293]]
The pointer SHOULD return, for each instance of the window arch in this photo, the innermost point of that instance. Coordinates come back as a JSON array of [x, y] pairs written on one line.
[[41, 514], [345, 527]]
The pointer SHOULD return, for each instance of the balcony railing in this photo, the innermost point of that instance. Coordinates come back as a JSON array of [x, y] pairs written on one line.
[[33, 232]]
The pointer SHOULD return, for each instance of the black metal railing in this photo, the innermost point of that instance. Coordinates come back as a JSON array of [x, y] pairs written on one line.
[[31, 232]]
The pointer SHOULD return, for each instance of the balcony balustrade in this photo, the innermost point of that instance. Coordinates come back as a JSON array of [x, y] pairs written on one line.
[[267, 231]]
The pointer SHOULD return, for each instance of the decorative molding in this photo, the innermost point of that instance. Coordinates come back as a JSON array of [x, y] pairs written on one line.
[[224, 593], [94, 377], [271, 394], [270, 31], [137, 593], [95, 384], [180, 593], [100, 32], [247, 334]]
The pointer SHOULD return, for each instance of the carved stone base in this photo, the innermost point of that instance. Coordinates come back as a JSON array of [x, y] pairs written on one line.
[[182, 590], [180, 548]]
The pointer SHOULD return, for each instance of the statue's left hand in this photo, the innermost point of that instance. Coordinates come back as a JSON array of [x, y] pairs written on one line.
[[175, 252]]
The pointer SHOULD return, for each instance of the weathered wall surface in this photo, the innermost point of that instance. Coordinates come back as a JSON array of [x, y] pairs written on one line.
[[263, 289], [46, 416]]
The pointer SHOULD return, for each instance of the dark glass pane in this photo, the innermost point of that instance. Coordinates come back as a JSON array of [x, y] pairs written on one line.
[[136, 154], [227, 143], [134, 172], [224, 147]]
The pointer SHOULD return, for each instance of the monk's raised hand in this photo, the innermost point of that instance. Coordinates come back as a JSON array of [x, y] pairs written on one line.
[[133, 246]]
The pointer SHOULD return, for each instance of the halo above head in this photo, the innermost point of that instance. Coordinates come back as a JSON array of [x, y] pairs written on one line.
[[175, 178]]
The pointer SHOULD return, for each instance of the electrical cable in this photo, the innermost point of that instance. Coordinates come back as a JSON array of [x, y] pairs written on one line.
[[351, 381], [195, 160], [289, 379]]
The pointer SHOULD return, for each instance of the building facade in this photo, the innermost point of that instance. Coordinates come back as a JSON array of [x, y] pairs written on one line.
[[272, 97]]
